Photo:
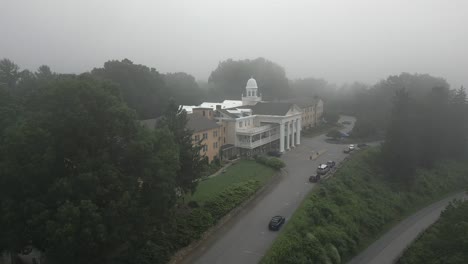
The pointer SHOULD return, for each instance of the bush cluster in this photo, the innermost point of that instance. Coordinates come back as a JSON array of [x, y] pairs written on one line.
[[274, 163], [354, 206]]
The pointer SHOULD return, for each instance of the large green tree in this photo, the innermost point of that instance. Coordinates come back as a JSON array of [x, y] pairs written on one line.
[[230, 77], [183, 88], [141, 87], [80, 178]]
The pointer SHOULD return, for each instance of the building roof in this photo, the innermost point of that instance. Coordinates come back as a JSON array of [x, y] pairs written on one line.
[[271, 108], [200, 123], [251, 83], [227, 113], [188, 108]]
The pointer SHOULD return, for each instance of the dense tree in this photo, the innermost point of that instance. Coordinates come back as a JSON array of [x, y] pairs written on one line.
[[230, 77], [183, 88], [9, 73], [309, 87], [142, 88], [399, 157], [80, 178]]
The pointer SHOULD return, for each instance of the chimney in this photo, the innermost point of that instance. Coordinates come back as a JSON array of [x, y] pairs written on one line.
[[218, 107]]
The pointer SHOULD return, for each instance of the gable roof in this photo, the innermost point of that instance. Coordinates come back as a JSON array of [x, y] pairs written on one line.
[[225, 112], [271, 108], [200, 123]]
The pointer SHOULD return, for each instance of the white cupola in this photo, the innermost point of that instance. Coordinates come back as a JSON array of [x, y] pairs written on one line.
[[252, 96]]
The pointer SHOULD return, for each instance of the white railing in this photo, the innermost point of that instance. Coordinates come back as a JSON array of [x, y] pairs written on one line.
[[257, 143]]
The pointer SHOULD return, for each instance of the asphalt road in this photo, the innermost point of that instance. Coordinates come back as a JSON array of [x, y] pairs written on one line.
[[246, 238], [388, 248]]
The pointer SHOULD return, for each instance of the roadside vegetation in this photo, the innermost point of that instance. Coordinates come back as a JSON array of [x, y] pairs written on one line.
[[445, 241], [351, 208]]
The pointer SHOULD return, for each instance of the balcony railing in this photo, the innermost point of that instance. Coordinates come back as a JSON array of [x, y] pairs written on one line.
[[260, 142]]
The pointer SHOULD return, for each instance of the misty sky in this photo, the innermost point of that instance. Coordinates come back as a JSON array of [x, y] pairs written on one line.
[[339, 40]]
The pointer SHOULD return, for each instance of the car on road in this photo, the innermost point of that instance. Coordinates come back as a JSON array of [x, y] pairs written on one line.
[[346, 122], [274, 153], [323, 169], [362, 145], [351, 147], [346, 150], [331, 163], [276, 222], [314, 178]]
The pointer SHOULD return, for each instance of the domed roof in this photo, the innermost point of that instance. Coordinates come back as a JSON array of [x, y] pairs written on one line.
[[251, 83]]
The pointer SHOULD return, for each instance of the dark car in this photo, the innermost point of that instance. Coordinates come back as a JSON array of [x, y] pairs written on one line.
[[276, 222], [323, 169], [274, 153], [362, 145], [331, 163], [346, 150], [314, 178]]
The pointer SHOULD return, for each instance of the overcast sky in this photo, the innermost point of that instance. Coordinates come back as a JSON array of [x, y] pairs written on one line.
[[339, 40]]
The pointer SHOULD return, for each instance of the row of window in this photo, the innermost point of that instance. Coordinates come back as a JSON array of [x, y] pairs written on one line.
[[247, 123], [205, 147], [205, 135]]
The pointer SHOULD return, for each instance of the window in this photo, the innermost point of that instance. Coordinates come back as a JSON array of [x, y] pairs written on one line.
[[240, 124], [215, 145], [205, 148], [205, 135], [203, 112], [197, 137], [209, 113], [215, 133]]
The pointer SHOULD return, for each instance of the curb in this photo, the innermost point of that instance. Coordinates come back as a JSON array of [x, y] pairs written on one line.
[[181, 254]]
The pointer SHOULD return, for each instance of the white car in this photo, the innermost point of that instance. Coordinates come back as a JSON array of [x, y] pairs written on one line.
[[352, 147]]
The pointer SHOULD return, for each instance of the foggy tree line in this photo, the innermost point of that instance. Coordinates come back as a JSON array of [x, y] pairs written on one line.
[[425, 129], [81, 179]]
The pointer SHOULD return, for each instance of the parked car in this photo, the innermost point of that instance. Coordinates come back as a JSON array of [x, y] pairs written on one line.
[[276, 222], [331, 163], [346, 150], [323, 169], [274, 153], [351, 147], [362, 145], [314, 178]]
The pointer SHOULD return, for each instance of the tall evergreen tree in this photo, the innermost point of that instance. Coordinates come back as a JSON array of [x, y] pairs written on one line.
[[399, 157], [191, 161]]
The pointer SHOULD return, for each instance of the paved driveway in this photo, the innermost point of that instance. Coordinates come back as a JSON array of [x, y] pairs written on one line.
[[246, 238]]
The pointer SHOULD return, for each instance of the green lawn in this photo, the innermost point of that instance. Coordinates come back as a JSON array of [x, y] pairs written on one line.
[[242, 171]]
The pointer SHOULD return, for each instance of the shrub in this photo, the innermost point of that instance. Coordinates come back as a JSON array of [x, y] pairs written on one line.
[[275, 163]]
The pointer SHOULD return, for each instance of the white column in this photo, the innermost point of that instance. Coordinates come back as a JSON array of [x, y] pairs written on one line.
[[288, 131], [293, 139], [299, 128], [281, 137]]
